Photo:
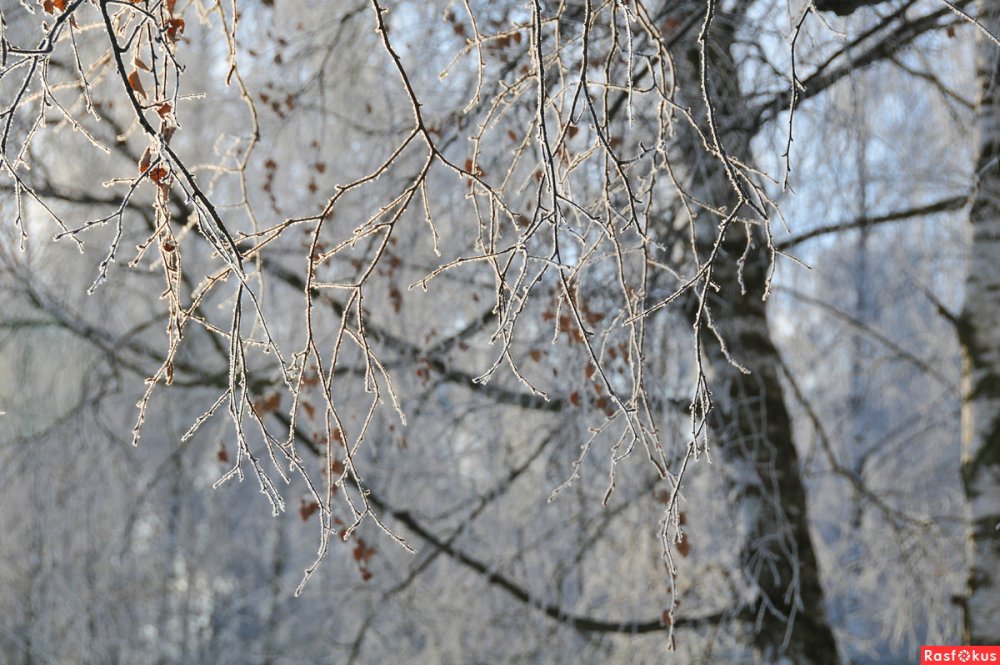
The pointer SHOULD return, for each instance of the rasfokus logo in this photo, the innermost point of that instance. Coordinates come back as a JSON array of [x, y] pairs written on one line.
[[959, 654]]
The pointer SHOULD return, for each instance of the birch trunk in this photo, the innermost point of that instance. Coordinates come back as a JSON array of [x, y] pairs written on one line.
[[979, 333]]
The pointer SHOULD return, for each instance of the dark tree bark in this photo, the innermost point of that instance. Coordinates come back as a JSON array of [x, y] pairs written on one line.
[[845, 7], [751, 423]]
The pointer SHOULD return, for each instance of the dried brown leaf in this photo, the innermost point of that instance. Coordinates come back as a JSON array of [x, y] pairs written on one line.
[[136, 84]]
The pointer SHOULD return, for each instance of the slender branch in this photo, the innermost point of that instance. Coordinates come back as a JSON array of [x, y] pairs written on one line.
[[899, 351], [500, 581], [948, 204]]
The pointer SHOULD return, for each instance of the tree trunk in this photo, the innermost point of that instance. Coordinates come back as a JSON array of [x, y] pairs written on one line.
[[754, 434], [979, 333], [752, 428]]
